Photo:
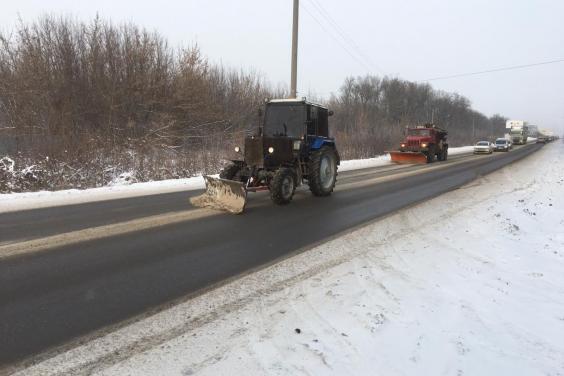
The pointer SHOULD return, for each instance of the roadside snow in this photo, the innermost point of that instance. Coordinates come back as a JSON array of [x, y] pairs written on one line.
[[7, 164], [461, 150], [358, 164], [119, 189], [126, 178], [469, 283], [124, 186]]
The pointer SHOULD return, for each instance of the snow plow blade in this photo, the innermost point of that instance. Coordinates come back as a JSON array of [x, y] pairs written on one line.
[[408, 157], [222, 194]]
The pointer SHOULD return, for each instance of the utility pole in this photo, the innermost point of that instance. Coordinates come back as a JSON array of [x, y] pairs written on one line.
[[294, 76]]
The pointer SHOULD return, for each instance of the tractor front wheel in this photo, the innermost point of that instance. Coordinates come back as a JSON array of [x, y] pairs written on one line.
[[322, 171], [282, 186]]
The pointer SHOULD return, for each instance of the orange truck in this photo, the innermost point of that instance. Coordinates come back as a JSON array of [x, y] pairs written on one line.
[[422, 144]]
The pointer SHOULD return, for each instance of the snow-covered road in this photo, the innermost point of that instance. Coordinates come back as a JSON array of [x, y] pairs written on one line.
[[471, 282]]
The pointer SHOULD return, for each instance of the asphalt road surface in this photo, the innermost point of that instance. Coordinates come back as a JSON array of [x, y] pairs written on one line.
[[65, 290]]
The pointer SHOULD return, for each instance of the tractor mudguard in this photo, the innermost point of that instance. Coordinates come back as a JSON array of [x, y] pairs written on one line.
[[318, 142]]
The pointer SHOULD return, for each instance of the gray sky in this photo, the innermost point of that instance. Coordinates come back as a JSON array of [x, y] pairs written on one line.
[[410, 39]]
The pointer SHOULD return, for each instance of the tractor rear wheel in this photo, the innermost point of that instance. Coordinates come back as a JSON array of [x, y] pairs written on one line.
[[322, 171], [282, 186]]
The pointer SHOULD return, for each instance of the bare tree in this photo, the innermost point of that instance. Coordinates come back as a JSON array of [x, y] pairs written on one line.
[[85, 102]]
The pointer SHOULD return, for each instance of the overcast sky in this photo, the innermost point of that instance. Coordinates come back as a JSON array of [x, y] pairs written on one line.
[[410, 39]]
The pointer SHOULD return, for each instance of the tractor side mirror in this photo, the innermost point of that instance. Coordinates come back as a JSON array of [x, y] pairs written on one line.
[[330, 113]]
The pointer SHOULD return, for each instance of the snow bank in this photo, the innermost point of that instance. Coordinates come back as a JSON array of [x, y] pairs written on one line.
[[120, 189], [7, 164], [125, 178], [125, 186], [358, 164], [477, 289], [461, 150]]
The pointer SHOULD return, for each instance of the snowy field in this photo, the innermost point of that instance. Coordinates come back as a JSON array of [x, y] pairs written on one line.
[[474, 288], [121, 188]]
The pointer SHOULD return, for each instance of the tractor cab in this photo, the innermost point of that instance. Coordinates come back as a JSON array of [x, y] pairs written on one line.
[[288, 128]]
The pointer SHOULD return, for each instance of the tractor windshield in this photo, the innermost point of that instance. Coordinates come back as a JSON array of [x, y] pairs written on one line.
[[285, 120], [418, 132]]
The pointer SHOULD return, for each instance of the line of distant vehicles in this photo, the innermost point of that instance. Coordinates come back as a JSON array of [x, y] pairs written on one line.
[[519, 132]]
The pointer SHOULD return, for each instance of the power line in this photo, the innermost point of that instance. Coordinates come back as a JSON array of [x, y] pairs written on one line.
[[495, 70], [346, 38], [343, 46]]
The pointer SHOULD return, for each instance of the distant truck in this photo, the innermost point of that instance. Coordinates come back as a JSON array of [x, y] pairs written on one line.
[[544, 136], [518, 131]]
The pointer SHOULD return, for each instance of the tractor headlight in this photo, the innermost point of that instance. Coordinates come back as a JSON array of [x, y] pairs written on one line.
[[402, 145], [271, 150], [423, 145], [237, 149], [297, 145]]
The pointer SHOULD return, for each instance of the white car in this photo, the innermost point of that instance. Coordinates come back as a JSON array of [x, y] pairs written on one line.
[[483, 147]]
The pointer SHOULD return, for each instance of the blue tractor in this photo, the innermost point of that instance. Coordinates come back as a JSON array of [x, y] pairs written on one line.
[[291, 146]]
